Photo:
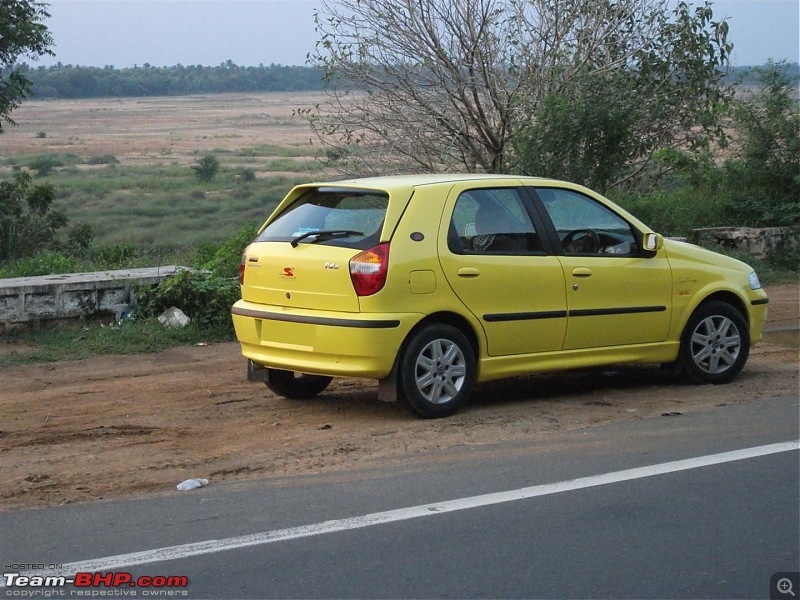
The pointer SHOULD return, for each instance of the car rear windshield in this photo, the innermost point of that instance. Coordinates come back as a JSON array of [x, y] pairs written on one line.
[[351, 218]]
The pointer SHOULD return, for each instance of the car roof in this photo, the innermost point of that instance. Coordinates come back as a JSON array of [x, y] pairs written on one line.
[[405, 181]]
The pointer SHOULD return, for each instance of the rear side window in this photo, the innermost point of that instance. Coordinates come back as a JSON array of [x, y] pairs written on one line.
[[331, 216], [492, 221]]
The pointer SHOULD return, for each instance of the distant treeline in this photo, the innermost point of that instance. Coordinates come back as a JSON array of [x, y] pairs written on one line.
[[68, 81], [749, 75]]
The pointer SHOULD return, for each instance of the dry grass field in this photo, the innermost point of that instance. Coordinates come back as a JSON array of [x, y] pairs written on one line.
[[122, 165], [159, 130]]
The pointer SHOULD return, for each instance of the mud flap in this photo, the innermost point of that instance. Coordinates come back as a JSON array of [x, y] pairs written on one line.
[[388, 386], [256, 372]]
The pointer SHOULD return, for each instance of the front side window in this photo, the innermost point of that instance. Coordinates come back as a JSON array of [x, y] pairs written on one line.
[[492, 221], [585, 226], [334, 216]]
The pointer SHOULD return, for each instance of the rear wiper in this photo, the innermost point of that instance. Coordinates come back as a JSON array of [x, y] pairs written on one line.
[[327, 234]]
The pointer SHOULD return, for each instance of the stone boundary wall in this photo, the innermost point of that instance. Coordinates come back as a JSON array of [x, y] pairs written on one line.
[[32, 300], [761, 242]]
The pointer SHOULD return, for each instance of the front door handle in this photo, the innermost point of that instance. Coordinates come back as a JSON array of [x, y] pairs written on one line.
[[469, 272], [581, 272]]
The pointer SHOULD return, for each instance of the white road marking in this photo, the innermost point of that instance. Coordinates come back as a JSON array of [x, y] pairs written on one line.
[[112, 563]]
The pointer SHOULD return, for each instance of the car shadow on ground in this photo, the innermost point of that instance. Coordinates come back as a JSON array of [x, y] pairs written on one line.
[[587, 384]]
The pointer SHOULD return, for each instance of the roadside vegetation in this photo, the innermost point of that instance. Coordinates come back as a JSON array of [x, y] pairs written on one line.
[[674, 140]]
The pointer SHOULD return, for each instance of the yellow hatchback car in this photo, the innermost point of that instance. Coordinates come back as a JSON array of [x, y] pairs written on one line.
[[431, 283]]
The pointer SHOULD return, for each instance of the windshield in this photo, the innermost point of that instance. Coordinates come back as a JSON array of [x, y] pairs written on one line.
[[331, 216]]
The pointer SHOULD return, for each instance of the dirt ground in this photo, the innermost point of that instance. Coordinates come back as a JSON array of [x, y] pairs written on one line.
[[125, 426]]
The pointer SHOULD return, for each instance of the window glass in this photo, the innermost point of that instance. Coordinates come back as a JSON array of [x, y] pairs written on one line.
[[585, 226], [332, 216], [492, 221]]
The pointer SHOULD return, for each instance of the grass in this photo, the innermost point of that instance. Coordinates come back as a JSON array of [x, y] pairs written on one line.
[[165, 204], [77, 341]]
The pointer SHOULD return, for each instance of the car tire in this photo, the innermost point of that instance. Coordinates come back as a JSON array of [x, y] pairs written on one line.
[[296, 386], [437, 371], [715, 343]]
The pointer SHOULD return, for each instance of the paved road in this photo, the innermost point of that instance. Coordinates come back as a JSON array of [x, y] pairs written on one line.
[[654, 528]]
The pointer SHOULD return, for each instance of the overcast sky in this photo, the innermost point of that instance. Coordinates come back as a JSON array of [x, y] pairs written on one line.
[[124, 33]]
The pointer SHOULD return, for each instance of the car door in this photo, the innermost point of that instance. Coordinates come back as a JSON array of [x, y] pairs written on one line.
[[492, 253], [615, 294]]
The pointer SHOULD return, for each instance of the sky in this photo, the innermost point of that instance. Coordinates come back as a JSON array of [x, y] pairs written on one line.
[[124, 33]]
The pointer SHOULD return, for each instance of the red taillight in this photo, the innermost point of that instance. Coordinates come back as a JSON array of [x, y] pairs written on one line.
[[241, 266], [368, 270]]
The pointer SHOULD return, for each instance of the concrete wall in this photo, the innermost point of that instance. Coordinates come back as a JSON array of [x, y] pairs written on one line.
[[761, 242], [31, 300]]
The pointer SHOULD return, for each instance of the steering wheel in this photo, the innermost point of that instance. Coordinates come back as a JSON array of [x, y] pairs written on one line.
[[581, 241]]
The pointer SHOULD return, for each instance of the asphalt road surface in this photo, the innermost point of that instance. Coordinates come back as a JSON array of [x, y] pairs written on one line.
[[698, 505]]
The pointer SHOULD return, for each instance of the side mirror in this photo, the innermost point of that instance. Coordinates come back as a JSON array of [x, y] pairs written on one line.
[[652, 242]]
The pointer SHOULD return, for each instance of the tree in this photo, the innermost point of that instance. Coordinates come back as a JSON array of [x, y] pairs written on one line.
[[437, 85], [764, 170], [206, 168], [22, 33], [586, 133], [28, 223]]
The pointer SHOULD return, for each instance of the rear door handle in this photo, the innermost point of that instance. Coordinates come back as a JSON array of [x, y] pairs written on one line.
[[581, 272], [469, 272]]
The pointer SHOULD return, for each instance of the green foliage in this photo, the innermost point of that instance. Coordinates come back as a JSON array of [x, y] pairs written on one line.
[[586, 134], [28, 222], [98, 257], [764, 176], [47, 262], [204, 297], [22, 33], [102, 159], [247, 175], [757, 186], [602, 127], [226, 258], [45, 164], [80, 239], [206, 168]]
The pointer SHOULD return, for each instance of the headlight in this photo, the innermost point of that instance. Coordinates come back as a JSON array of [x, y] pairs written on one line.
[[755, 284]]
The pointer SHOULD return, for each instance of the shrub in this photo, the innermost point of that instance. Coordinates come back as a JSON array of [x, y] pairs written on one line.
[[102, 159], [227, 257], [44, 263], [247, 174], [763, 178], [206, 168], [28, 223], [45, 164], [80, 239], [204, 297]]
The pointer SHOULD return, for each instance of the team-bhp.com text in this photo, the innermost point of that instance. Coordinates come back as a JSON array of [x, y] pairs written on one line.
[[94, 584]]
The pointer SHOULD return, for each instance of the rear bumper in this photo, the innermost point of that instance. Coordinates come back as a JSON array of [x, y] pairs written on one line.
[[321, 342]]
